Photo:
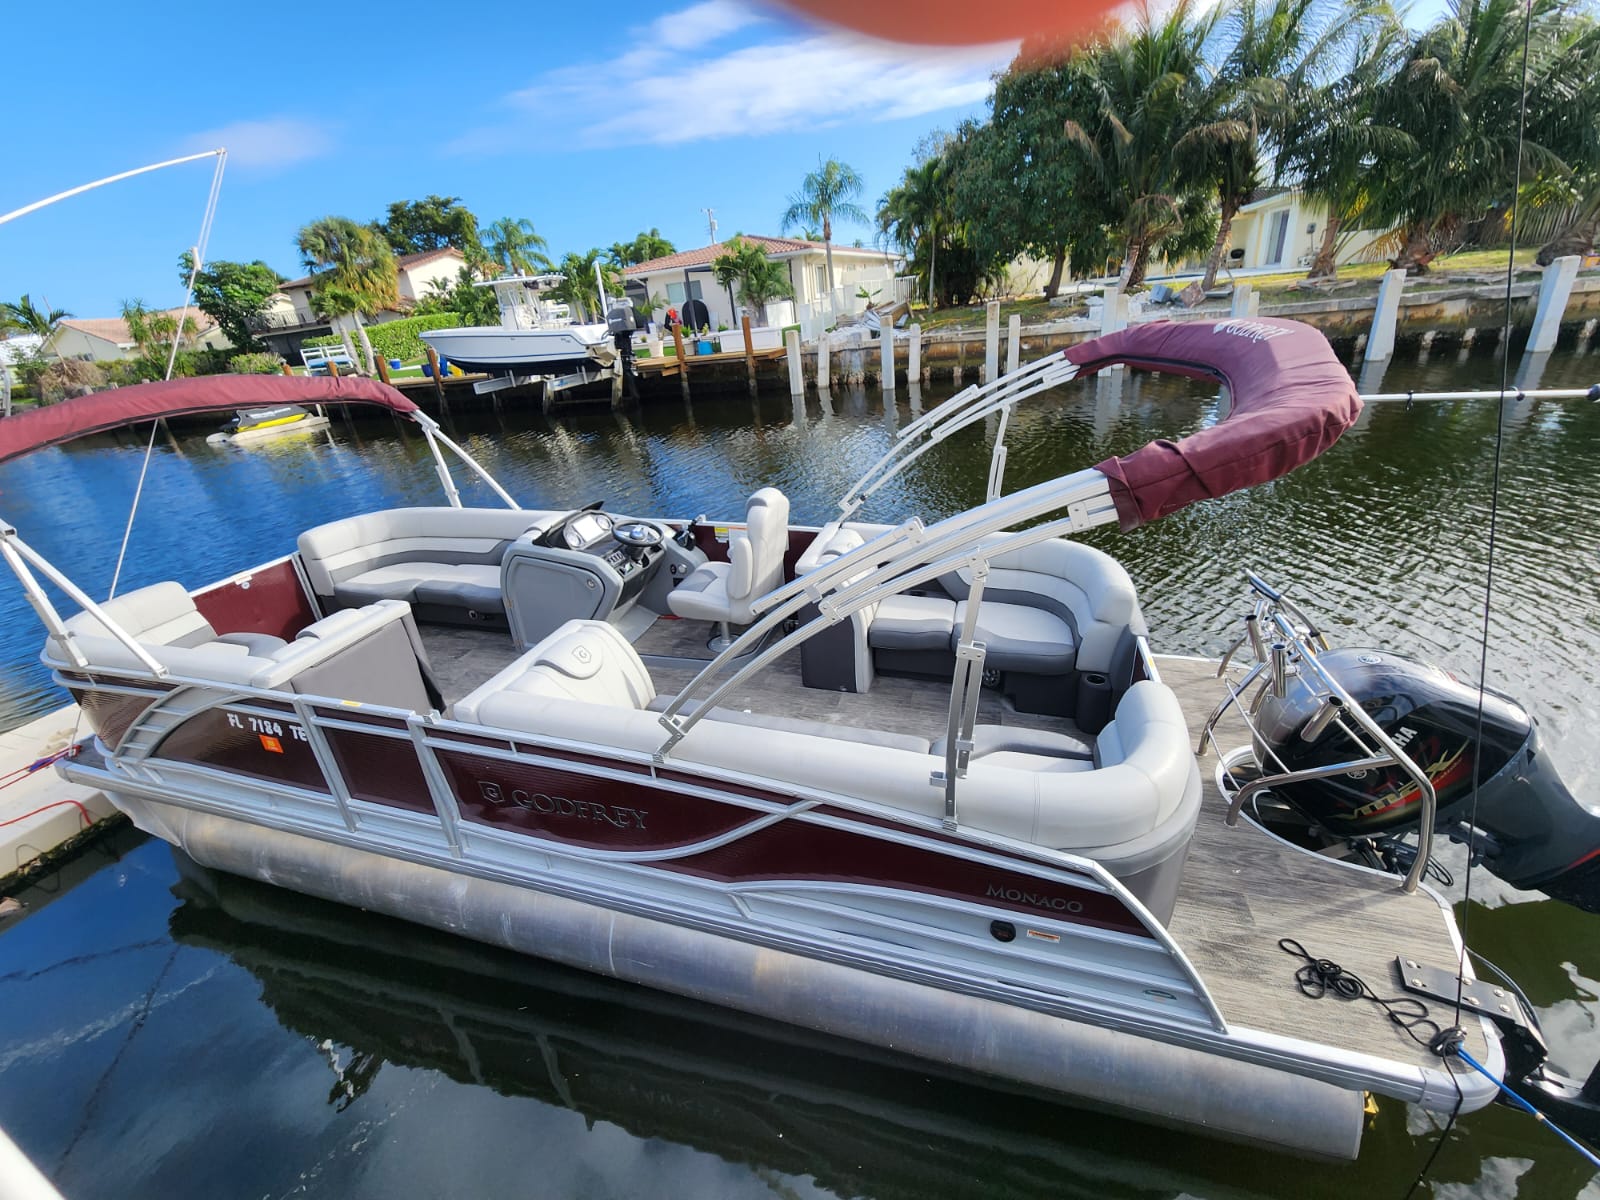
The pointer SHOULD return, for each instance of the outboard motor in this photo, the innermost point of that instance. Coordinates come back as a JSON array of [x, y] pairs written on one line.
[[1528, 827]]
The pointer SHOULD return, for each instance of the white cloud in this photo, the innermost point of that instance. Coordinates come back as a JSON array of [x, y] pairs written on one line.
[[677, 82], [267, 145]]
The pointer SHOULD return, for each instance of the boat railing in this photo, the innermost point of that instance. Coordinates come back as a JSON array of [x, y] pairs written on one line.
[[1292, 652], [962, 410], [889, 564]]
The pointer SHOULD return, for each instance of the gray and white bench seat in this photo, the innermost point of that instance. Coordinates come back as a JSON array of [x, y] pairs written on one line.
[[1132, 811], [373, 655], [444, 561]]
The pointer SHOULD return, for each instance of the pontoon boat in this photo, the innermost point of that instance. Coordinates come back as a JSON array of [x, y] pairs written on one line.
[[934, 792]]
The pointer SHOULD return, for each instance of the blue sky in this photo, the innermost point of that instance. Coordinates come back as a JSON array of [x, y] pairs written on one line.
[[593, 127]]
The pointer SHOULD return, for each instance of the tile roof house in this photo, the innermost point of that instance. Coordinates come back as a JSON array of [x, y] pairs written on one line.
[[676, 279], [106, 339], [416, 276]]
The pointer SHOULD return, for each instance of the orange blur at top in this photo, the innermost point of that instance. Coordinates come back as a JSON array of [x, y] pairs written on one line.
[[959, 22], [270, 743]]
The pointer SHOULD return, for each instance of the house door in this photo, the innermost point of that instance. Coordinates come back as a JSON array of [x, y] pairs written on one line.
[[1277, 235]]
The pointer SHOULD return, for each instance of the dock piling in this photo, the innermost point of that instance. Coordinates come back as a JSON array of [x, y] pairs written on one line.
[[886, 337], [683, 363], [1013, 343], [1554, 289], [749, 352], [1380, 342], [914, 357], [822, 361], [791, 353], [991, 343], [1246, 302]]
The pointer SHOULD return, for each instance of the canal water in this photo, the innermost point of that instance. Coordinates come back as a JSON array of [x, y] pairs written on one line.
[[170, 1032]]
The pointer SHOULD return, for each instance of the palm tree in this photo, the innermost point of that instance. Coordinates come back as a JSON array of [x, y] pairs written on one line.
[[1459, 95], [1152, 115], [515, 247], [352, 271], [651, 245], [760, 279], [825, 193], [1329, 134], [578, 288], [915, 214], [26, 316], [1569, 102], [1277, 50]]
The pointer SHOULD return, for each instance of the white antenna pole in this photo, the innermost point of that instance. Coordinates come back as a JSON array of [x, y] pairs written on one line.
[[711, 223], [70, 192]]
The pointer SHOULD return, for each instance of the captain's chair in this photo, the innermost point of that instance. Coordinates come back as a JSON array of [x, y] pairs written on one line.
[[723, 592]]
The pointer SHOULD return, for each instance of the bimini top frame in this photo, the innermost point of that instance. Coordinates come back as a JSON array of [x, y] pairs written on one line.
[[26, 432], [1290, 399]]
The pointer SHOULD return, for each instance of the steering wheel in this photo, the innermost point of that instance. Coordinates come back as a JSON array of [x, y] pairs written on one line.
[[637, 534]]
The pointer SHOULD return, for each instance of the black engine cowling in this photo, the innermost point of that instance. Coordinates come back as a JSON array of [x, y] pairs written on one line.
[[1530, 829]]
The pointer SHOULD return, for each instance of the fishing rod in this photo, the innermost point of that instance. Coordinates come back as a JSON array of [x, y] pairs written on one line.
[[89, 187]]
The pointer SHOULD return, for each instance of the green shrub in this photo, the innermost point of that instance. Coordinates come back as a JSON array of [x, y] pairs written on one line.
[[265, 363], [327, 339], [399, 339]]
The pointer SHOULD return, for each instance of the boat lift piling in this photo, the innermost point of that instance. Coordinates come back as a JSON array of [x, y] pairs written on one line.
[[797, 373], [1013, 343], [886, 373], [991, 343], [914, 357]]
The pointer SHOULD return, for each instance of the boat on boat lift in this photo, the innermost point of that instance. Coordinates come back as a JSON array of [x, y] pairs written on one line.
[[536, 336], [937, 793]]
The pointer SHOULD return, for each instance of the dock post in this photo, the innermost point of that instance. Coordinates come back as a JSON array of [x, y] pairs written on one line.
[[886, 336], [1245, 302], [333, 369], [1013, 343], [822, 361], [683, 363], [439, 384], [1380, 342], [791, 351], [288, 370], [1113, 316], [383, 368], [991, 343], [749, 352], [914, 356], [1553, 292]]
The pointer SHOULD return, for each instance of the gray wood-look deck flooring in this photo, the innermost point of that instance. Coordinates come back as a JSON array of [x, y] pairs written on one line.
[[1242, 889]]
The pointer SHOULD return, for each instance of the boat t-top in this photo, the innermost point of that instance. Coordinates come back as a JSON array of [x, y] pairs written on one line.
[[924, 785]]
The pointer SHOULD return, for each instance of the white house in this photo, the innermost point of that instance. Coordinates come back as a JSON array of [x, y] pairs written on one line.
[[13, 350], [1282, 228], [678, 279], [107, 339], [416, 276]]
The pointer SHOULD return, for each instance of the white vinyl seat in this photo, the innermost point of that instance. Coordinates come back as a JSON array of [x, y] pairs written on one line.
[[723, 592], [164, 615], [588, 662], [1020, 638]]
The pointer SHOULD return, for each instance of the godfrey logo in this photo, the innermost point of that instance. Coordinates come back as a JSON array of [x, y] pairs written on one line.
[[1256, 331], [1035, 899], [560, 806]]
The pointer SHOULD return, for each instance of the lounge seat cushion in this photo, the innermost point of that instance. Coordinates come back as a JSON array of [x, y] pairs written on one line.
[[454, 585], [703, 596], [1020, 638], [844, 733], [262, 645], [912, 623], [1016, 739]]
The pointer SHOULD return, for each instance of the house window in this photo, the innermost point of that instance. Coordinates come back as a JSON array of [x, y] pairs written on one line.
[[676, 293], [822, 278]]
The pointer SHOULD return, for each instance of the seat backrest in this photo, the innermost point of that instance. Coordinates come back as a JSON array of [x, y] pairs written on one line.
[[337, 551], [372, 655], [1085, 587], [755, 557], [162, 614]]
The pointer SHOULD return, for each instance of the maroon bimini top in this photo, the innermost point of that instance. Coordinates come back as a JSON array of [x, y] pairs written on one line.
[[1290, 399], [28, 431]]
